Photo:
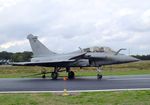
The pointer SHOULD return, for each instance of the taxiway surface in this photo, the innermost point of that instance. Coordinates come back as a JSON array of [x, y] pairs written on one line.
[[80, 83]]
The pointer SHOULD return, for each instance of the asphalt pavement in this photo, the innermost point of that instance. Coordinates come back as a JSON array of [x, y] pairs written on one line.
[[78, 84]]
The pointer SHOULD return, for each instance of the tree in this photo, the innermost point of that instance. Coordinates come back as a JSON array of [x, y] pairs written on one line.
[[16, 57], [5, 55], [21, 57], [142, 57]]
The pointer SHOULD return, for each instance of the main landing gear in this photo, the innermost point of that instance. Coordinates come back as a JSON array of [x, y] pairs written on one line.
[[71, 74], [54, 74], [99, 75]]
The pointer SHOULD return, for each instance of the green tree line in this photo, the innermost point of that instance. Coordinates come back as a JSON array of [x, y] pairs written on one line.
[[16, 57], [142, 57]]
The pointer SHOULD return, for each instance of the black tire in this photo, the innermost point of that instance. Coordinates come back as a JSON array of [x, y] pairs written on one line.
[[99, 76], [54, 75], [71, 75], [43, 76]]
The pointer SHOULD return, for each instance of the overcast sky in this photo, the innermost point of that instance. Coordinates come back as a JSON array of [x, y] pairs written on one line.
[[65, 25]]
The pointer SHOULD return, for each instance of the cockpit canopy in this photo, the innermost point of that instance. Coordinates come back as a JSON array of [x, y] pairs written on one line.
[[98, 49]]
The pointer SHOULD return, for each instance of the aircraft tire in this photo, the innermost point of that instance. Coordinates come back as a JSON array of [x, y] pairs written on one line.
[[43, 76], [71, 75], [99, 76], [54, 75]]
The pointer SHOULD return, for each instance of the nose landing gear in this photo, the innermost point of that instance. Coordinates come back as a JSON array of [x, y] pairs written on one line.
[[99, 75]]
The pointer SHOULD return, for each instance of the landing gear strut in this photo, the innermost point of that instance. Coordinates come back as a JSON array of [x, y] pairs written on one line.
[[99, 75], [54, 74]]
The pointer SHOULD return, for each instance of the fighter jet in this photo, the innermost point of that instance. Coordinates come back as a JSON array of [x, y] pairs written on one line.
[[88, 57]]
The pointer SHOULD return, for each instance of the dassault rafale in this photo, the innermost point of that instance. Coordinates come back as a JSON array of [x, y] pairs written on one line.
[[88, 57]]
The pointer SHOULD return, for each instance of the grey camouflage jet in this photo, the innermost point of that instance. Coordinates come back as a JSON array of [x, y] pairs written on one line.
[[88, 57]]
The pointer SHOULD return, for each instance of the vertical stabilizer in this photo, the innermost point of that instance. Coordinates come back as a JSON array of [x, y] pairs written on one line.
[[39, 50]]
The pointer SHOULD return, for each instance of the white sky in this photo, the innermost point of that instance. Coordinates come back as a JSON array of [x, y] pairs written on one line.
[[64, 25]]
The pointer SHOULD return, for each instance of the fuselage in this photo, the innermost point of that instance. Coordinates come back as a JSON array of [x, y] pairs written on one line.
[[90, 59]]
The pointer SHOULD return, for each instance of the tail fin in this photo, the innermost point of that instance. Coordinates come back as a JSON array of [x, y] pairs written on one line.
[[39, 50]]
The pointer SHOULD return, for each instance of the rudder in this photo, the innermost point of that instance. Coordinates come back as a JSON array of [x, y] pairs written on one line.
[[39, 49]]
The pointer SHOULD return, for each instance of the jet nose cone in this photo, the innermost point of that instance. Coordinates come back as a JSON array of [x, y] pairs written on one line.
[[133, 59], [126, 59]]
